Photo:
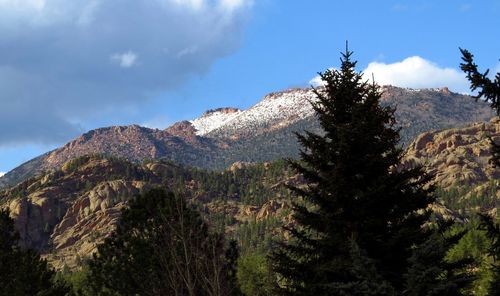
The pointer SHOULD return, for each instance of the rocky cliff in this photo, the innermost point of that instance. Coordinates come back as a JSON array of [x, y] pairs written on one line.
[[458, 156]]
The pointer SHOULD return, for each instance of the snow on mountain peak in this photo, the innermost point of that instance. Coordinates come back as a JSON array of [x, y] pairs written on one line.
[[278, 108], [213, 119]]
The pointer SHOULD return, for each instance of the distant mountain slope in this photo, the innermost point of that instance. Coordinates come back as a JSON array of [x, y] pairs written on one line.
[[66, 213], [418, 110], [134, 143], [264, 132]]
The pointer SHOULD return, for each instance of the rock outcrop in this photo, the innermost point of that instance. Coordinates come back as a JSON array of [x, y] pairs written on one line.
[[458, 156], [66, 213]]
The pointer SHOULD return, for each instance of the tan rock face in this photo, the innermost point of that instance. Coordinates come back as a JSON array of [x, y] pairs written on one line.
[[36, 214], [457, 157], [271, 208], [89, 219], [65, 214], [239, 165]]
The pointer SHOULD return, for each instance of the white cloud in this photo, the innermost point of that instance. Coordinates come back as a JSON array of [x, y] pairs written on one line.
[[2, 173], [235, 4], [63, 60], [226, 5], [24, 4], [87, 15], [126, 59], [193, 4], [187, 51], [316, 81], [414, 72]]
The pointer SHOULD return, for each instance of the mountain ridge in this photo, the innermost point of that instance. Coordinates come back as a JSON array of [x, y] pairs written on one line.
[[240, 135], [67, 212]]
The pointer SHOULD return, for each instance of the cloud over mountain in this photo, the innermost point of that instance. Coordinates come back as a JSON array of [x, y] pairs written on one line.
[[413, 72], [63, 61], [416, 72]]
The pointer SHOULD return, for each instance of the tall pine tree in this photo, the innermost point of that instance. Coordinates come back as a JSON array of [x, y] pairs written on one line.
[[488, 90], [361, 209]]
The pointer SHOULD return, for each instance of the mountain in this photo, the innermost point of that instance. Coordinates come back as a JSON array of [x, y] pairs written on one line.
[[65, 213], [264, 132]]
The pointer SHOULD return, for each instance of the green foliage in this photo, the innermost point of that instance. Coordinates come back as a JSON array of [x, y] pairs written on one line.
[[474, 244], [254, 275], [251, 184], [232, 256], [257, 236], [161, 246], [493, 233], [431, 271], [469, 201], [22, 271], [77, 280]]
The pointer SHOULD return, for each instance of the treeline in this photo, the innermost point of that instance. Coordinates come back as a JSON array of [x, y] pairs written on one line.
[[251, 184]]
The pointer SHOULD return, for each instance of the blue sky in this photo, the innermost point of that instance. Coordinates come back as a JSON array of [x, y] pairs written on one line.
[[70, 66]]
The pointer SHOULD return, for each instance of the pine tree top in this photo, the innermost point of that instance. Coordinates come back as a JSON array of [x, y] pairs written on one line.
[[357, 191]]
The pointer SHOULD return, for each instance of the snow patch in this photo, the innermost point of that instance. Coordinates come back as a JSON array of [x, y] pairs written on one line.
[[275, 109], [212, 120]]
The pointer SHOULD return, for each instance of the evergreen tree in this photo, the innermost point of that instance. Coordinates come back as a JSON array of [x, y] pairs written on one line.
[[488, 89], [358, 195], [431, 273], [22, 272], [232, 256], [366, 279], [493, 233], [254, 275], [162, 246]]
